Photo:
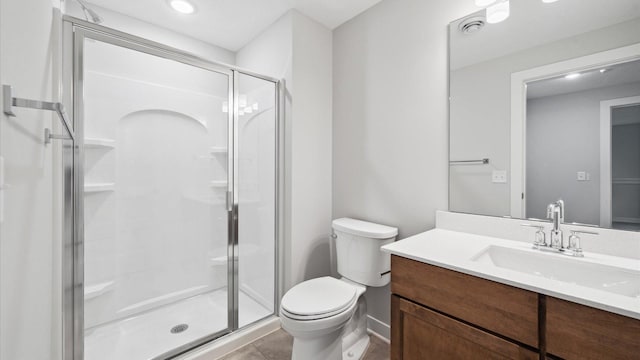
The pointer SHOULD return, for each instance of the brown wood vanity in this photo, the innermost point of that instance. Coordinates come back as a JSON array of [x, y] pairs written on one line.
[[438, 313]]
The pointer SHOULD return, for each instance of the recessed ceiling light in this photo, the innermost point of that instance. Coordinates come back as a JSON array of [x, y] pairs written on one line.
[[573, 76], [498, 12], [549, 1], [182, 6], [603, 70]]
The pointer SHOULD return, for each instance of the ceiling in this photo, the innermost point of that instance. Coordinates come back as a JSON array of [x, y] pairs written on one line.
[[534, 23], [624, 73], [231, 24]]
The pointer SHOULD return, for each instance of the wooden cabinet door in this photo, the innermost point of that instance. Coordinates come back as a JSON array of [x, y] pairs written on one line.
[[576, 331], [418, 333]]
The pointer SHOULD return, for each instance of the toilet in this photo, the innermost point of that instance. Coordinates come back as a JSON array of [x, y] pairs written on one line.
[[327, 317]]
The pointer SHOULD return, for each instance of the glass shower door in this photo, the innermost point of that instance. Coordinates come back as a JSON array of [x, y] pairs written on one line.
[[256, 134], [156, 227]]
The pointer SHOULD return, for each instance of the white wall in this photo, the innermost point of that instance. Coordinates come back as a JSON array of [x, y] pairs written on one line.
[[298, 50], [30, 286], [481, 114], [311, 150], [567, 124], [390, 125]]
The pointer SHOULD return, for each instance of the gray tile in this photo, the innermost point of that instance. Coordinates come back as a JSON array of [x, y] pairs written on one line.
[[248, 352], [275, 346], [278, 345], [378, 350]]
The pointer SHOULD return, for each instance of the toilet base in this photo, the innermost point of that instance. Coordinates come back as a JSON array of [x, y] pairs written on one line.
[[325, 347], [345, 341], [356, 351], [355, 339]]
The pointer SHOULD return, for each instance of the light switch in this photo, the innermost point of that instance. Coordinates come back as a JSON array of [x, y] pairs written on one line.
[[499, 177], [583, 176]]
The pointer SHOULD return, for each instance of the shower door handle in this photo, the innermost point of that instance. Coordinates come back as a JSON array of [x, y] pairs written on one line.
[[229, 201]]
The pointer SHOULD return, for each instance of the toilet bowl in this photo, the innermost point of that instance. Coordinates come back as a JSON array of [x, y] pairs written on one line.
[[327, 317]]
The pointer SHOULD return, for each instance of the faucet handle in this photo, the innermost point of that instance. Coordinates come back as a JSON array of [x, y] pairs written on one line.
[[540, 237], [574, 241]]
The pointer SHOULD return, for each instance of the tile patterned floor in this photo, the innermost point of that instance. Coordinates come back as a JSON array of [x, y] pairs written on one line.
[[277, 346]]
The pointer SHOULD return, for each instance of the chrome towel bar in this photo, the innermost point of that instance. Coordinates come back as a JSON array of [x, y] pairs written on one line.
[[470, 162], [9, 102]]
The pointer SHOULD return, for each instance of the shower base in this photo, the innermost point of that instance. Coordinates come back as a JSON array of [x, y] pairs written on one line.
[[149, 335]]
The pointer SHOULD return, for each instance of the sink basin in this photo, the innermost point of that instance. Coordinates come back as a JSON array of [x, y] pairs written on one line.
[[607, 278]]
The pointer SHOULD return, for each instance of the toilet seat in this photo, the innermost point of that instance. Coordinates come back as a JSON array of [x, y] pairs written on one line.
[[318, 299]]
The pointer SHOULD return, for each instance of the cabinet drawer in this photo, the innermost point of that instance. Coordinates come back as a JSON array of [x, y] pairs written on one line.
[[576, 331], [499, 308], [419, 333]]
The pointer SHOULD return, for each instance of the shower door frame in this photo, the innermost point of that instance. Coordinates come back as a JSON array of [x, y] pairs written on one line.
[[75, 32]]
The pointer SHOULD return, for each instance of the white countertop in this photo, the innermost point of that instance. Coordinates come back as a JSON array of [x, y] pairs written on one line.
[[455, 250]]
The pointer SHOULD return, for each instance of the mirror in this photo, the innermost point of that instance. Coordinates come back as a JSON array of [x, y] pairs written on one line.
[[545, 105]]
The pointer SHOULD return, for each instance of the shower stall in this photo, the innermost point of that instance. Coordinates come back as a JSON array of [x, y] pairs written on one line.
[[172, 210]]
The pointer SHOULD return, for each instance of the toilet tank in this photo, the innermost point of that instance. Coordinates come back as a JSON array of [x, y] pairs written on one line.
[[358, 251]]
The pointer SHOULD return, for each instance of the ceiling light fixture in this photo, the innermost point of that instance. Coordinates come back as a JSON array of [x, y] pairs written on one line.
[[483, 3], [549, 1], [573, 76], [498, 12], [182, 6], [603, 71]]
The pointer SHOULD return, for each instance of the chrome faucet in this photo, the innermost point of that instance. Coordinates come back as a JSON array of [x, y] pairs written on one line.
[[555, 213]]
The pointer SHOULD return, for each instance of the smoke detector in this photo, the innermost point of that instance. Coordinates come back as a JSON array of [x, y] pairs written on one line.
[[472, 25]]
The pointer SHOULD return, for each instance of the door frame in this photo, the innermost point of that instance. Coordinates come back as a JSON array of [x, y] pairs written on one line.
[[606, 171]]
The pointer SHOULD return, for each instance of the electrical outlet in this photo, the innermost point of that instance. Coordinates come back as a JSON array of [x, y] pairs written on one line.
[[499, 177]]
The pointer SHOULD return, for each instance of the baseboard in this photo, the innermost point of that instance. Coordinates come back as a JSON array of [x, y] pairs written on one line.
[[232, 342], [378, 328]]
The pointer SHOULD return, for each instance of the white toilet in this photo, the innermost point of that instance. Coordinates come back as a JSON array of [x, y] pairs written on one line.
[[327, 317]]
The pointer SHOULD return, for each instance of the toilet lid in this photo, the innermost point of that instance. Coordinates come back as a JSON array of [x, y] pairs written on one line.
[[318, 296]]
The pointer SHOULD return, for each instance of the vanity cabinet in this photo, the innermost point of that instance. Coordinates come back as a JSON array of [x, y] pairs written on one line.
[[438, 313], [443, 314]]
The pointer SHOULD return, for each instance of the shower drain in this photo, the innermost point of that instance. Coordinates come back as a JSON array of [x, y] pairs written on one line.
[[179, 328]]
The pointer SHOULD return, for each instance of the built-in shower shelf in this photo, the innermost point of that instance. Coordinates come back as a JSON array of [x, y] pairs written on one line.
[[99, 187], [218, 184], [218, 150], [96, 143], [93, 291]]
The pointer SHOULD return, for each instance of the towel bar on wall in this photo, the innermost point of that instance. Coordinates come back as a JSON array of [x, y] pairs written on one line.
[[470, 162], [9, 102]]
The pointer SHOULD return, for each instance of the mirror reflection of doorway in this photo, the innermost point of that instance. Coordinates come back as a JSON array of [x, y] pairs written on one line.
[[625, 166], [569, 144]]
